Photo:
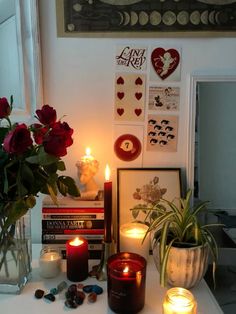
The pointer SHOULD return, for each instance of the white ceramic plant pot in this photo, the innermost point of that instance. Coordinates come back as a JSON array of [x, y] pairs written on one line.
[[185, 266]]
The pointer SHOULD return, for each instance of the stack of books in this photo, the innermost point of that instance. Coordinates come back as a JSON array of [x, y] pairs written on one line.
[[72, 218]]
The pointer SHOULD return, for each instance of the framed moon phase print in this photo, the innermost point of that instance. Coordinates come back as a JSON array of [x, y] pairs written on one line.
[[145, 17]]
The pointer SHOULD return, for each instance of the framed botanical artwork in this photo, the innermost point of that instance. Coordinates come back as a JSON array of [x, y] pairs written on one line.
[[108, 18], [144, 186]]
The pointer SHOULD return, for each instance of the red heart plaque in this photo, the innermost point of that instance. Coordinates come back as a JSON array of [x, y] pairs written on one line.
[[164, 61]]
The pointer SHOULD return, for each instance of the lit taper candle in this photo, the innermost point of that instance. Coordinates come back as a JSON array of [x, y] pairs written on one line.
[[107, 206]]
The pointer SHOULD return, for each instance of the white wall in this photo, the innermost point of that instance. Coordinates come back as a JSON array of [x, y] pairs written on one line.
[[78, 75]]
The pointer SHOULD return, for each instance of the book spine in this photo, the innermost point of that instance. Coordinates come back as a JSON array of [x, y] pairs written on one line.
[[91, 246], [72, 210], [56, 238], [79, 216], [93, 254], [75, 204], [72, 224], [73, 231]]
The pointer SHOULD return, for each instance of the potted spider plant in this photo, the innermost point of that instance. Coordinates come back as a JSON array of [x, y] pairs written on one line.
[[181, 244]]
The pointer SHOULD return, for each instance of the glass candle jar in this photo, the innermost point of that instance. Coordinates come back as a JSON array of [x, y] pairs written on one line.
[[126, 277], [179, 301], [131, 237], [49, 262]]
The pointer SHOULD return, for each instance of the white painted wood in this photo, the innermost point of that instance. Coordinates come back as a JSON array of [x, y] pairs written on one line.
[[20, 71]]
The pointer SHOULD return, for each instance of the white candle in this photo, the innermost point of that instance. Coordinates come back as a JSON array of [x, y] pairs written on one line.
[[179, 301], [49, 263], [131, 237]]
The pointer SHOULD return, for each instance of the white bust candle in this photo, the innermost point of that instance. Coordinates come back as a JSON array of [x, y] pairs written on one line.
[[49, 263], [131, 237]]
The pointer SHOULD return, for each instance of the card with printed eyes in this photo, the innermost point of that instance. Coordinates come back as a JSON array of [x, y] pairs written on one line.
[[162, 133], [129, 97]]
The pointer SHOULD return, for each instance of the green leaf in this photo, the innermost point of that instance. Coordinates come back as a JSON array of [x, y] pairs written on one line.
[[61, 165], [32, 159], [66, 185], [3, 133], [46, 159], [18, 209], [135, 213]]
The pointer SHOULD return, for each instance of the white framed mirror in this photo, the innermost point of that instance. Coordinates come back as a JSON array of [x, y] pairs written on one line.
[[211, 152], [20, 62]]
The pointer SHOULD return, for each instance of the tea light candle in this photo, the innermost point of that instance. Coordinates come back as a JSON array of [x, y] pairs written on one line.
[[77, 259], [179, 301], [131, 237], [49, 263], [126, 279]]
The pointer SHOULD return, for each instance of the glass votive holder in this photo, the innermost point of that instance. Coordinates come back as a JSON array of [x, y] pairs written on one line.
[[126, 278], [49, 262], [131, 239], [179, 301]]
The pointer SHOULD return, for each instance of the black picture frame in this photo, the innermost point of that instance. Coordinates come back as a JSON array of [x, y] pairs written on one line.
[[145, 18], [132, 181]]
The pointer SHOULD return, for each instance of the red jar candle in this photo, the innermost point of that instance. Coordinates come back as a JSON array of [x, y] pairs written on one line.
[[77, 259], [126, 277]]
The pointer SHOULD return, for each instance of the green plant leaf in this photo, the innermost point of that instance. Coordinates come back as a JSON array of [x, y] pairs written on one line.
[[46, 159], [66, 185]]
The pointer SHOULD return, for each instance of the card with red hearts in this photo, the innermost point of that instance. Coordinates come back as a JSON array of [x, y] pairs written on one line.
[[162, 133], [165, 64], [129, 97]]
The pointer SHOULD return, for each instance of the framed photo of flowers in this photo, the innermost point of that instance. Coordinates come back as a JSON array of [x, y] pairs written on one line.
[[144, 186]]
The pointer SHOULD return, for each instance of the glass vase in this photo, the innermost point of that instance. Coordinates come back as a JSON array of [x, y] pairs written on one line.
[[16, 256]]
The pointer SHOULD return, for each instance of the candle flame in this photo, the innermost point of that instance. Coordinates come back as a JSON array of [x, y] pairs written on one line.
[[88, 151], [76, 242], [125, 270], [107, 173]]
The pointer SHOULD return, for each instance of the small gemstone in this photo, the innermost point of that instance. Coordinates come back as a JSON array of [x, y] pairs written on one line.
[[54, 291], [88, 288], [93, 273], [62, 285], [70, 304], [80, 286], [79, 298], [80, 294], [50, 297], [92, 297], [97, 289], [39, 294], [72, 288]]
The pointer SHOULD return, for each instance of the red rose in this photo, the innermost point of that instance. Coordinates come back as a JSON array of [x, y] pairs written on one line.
[[47, 115], [5, 108], [58, 139], [39, 132], [18, 140]]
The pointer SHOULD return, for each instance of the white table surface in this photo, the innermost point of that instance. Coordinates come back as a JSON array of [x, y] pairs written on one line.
[[25, 303]]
